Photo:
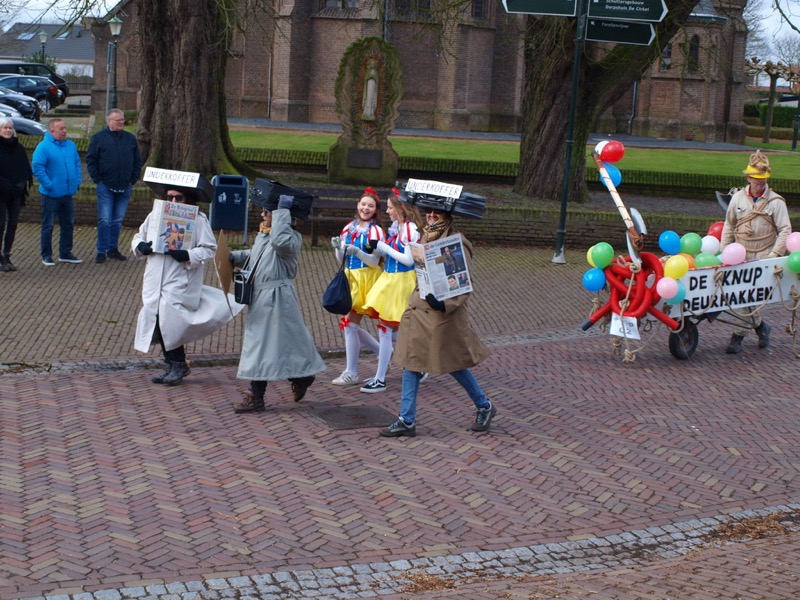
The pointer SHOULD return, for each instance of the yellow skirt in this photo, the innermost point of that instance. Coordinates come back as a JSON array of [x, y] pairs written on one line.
[[361, 280], [389, 296]]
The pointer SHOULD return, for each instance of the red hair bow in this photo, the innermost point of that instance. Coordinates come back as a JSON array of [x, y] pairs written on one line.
[[396, 192], [369, 190]]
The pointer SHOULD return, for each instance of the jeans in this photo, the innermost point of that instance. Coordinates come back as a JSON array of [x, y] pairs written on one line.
[[408, 395], [65, 209], [111, 207]]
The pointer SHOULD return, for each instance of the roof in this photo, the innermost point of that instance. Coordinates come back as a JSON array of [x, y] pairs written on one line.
[[72, 44], [705, 11]]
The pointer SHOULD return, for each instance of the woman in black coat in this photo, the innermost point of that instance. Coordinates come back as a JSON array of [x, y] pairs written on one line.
[[16, 177]]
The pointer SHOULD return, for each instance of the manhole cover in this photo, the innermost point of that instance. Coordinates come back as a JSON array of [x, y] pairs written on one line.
[[355, 417]]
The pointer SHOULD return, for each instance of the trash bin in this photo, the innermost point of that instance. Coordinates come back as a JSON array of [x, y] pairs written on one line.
[[229, 208]]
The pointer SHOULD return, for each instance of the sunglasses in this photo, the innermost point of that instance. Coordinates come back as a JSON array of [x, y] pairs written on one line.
[[176, 197]]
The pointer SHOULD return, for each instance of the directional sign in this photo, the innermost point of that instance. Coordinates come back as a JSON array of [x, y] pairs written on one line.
[[628, 10], [558, 8], [622, 32]]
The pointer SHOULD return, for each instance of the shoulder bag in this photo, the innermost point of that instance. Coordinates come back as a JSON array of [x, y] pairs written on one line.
[[337, 298]]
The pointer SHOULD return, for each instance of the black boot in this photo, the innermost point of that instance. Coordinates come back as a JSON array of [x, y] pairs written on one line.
[[763, 334], [735, 345], [250, 403], [9, 264], [167, 369], [3, 264], [176, 374]]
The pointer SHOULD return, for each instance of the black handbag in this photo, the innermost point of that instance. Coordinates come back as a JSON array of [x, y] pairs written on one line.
[[242, 288], [337, 298]]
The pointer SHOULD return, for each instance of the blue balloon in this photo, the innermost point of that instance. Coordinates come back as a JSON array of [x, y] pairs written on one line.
[[677, 298], [594, 280], [669, 242], [613, 173]]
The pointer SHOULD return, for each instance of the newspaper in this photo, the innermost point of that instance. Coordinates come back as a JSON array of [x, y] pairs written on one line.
[[441, 268], [171, 226]]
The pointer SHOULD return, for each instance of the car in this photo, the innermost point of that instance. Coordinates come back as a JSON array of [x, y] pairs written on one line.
[[26, 106], [26, 68], [22, 125], [41, 88]]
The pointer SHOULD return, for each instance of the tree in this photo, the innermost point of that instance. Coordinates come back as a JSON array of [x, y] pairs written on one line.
[[758, 43], [774, 71]]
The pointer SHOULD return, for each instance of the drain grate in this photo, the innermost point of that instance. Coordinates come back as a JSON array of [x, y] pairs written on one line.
[[355, 417]]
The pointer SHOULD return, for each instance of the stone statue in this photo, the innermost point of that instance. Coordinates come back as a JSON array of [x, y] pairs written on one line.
[[370, 98]]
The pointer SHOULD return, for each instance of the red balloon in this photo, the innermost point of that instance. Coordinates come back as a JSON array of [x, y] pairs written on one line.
[[716, 229], [612, 151]]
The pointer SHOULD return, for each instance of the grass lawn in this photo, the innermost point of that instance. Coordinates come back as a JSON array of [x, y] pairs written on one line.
[[785, 164]]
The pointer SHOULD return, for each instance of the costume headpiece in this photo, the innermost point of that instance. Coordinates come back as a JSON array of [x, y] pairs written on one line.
[[758, 166]]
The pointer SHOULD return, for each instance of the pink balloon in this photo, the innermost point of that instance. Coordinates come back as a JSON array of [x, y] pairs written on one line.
[[793, 242], [667, 287], [733, 254]]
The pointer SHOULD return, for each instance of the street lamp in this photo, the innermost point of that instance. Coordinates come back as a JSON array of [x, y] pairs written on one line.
[[43, 40], [115, 25]]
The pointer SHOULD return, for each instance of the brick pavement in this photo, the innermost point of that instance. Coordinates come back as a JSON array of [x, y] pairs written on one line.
[[599, 479]]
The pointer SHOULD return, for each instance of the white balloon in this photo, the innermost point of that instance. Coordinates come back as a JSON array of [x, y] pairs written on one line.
[[709, 244]]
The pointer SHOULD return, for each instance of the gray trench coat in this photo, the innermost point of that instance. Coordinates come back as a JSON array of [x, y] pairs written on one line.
[[277, 344], [438, 342]]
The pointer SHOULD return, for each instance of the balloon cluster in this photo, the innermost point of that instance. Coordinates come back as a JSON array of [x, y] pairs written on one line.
[[610, 151], [599, 257], [793, 247]]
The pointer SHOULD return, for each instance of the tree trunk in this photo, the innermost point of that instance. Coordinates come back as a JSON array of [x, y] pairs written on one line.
[[182, 121], [773, 84], [605, 73]]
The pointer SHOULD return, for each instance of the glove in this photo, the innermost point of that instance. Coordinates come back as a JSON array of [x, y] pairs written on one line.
[[352, 250], [145, 248], [434, 303], [336, 242], [773, 255], [285, 201], [179, 255]]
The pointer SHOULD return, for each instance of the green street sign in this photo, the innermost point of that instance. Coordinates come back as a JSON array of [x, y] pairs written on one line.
[[622, 32], [558, 8], [628, 10]]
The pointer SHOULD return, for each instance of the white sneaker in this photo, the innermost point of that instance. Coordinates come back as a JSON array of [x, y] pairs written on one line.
[[346, 379], [424, 376], [373, 385]]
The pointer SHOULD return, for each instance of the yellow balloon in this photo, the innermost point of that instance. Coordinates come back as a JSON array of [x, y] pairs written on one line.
[[676, 266], [589, 257]]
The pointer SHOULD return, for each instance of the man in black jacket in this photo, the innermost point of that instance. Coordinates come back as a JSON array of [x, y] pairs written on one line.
[[114, 164]]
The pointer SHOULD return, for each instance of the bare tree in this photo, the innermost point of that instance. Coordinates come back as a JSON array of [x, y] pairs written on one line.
[[789, 11], [787, 49], [758, 41]]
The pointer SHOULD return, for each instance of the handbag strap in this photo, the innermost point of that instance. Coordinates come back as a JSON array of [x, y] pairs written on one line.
[[253, 270]]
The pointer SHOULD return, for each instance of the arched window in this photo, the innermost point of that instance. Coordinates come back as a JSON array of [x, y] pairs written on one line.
[[693, 61], [666, 57]]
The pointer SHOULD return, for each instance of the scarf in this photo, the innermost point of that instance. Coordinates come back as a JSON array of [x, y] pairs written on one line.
[[434, 232], [262, 228]]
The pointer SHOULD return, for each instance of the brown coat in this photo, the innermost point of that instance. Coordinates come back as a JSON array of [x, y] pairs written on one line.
[[438, 342]]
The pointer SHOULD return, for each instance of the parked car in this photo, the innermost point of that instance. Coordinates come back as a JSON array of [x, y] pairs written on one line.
[[41, 88], [28, 107], [25, 68], [21, 125]]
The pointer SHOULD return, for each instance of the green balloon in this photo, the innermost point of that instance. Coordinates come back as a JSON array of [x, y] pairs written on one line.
[[691, 243], [602, 254], [793, 262], [706, 259]]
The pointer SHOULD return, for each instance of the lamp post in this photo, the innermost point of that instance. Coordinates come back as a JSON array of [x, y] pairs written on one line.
[[43, 40], [115, 25]]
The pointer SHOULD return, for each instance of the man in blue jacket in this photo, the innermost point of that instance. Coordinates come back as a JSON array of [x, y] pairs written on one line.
[[114, 164], [57, 167]]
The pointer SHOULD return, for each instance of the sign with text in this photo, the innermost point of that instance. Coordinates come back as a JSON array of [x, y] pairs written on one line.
[[752, 283], [621, 32], [558, 8], [629, 10]]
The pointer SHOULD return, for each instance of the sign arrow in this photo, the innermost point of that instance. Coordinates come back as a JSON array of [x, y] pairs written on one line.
[[629, 10], [558, 8], [622, 32]]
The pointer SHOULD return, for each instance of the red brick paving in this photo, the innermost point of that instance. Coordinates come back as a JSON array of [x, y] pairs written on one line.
[[106, 479]]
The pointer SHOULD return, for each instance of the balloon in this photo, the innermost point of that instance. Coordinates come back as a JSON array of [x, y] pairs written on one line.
[[709, 244], [793, 242], [602, 255], [689, 259], [706, 259], [716, 229], [679, 295], [676, 266], [669, 242], [589, 256], [691, 243], [610, 150], [594, 280], [733, 254], [793, 262], [613, 173], [667, 287]]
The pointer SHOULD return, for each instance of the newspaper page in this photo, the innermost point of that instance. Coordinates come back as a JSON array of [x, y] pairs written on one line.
[[171, 226], [441, 268]]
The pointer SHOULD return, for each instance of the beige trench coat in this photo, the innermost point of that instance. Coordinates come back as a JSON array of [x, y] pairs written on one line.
[[439, 342]]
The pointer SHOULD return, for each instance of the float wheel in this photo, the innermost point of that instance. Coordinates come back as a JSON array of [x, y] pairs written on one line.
[[683, 343]]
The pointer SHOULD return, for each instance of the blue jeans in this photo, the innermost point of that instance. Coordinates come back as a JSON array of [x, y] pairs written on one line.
[[65, 209], [111, 207], [408, 396]]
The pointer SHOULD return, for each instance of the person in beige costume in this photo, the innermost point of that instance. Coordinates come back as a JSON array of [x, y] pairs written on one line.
[[757, 218]]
